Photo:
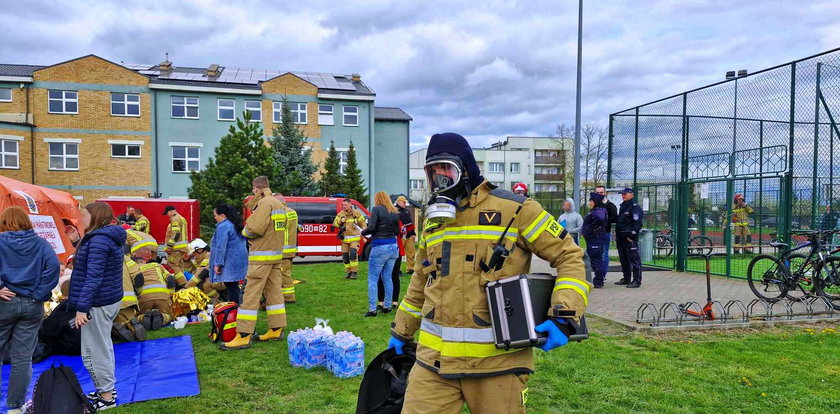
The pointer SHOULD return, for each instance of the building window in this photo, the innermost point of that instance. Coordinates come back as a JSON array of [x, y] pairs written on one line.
[[342, 162], [9, 154], [547, 153], [185, 107], [255, 109], [325, 115], [64, 156], [497, 167], [185, 158], [125, 104], [125, 150], [546, 170], [499, 184], [63, 102], [226, 109], [551, 188], [514, 167], [416, 184], [5, 94], [298, 112], [351, 115]]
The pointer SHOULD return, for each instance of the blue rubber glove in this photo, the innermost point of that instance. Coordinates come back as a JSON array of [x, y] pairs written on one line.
[[188, 275], [556, 337], [397, 344]]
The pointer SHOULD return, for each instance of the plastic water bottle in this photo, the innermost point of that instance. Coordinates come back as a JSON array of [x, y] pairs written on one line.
[[346, 355], [295, 348]]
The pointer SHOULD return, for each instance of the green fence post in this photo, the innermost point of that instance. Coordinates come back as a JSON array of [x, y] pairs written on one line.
[[682, 195], [636, 149], [610, 153], [814, 189], [787, 199], [727, 231]]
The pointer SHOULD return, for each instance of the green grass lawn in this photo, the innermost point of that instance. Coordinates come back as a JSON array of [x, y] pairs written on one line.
[[789, 369]]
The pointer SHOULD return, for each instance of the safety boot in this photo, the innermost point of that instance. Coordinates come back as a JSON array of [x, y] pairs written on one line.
[[242, 341], [139, 330], [271, 335], [122, 332], [354, 275]]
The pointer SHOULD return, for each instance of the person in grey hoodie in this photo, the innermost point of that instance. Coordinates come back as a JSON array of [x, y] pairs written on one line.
[[571, 219], [29, 271]]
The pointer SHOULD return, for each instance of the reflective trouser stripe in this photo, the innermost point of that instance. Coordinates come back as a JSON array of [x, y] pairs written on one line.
[[346, 266], [275, 309], [289, 291], [264, 256], [351, 239], [742, 224], [246, 315], [574, 284], [410, 309], [229, 326], [537, 226]]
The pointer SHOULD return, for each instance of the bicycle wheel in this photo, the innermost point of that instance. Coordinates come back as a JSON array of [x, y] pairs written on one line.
[[828, 282], [805, 274], [664, 245], [768, 277], [700, 246]]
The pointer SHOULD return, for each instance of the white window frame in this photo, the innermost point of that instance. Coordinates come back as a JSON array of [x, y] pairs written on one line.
[[126, 144], [343, 156], [297, 112], [518, 168], [326, 117], [186, 106], [277, 112], [252, 111], [10, 95], [64, 156], [344, 114], [125, 104], [187, 158], [219, 108], [496, 164], [10, 138], [64, 100]]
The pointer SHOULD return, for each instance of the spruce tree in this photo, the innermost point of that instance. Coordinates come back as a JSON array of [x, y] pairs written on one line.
[[331, 181], [296, 158], [240, 157], [353, 183]]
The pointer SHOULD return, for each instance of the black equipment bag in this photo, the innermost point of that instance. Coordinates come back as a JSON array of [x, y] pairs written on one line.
[[58, 392], [386, 378]]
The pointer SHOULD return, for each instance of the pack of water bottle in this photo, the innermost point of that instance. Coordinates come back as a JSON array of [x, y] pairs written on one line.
[[343, 353]]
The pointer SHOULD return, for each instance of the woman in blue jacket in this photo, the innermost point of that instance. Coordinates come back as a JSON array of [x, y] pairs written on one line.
[[28, 272], [228, 250], [96, 291]]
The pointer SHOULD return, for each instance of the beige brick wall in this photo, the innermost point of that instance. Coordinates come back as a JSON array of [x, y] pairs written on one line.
[[94, 113], [18, 103], [311, 129], [89, 196], [289, 84], [96, 166], [24, 171], [90, 69]]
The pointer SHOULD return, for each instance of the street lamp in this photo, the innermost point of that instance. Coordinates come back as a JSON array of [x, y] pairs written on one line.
[[576, 181], [676, 148]]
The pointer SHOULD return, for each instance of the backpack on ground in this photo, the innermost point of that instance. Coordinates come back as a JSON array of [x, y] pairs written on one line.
[[224, 322], [58, 392]]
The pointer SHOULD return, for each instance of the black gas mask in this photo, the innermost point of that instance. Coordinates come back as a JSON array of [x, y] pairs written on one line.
[[449, 185]]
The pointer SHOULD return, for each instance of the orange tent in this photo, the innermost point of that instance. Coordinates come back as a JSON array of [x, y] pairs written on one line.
[[47, 208]]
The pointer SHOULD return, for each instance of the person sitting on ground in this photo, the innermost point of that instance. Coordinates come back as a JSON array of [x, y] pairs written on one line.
[[28, 272], [154, 285], [594, 229], [127, 326], [201, 278], [571, 219]]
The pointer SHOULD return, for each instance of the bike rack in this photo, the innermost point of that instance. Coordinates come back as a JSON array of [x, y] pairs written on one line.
[[745, 315], [808, 313], [675, 309], [650, 309], [827, 306], [721, 313], [768, 310], [694, 307], [786, 304]]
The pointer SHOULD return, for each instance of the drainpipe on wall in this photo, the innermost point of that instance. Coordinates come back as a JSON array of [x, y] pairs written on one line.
[[371, 158], [156, 170], [31, 134]]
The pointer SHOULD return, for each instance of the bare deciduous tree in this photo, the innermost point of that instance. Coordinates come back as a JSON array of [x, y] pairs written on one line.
[[594, 143]]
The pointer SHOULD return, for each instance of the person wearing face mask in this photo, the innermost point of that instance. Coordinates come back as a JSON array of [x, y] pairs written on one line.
[[457, 360]]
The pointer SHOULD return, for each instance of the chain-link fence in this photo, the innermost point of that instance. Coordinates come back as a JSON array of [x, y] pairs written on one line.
[[768, 137]]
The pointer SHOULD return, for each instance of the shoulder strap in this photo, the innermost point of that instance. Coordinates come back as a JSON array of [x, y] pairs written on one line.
[[507, 195], [77, 388]]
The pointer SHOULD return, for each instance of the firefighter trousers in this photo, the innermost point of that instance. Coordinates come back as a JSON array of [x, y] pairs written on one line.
[[164, 306], [743, 239], [428, 392], [262, 280], [350, 256], [125, 314], [288, 281], [408, 244], [175, 261]]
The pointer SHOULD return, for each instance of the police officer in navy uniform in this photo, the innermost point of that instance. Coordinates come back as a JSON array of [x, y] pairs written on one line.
[[627, 227]]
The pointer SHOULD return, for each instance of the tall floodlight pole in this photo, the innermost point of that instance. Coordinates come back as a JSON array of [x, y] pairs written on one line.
[[576, 182]]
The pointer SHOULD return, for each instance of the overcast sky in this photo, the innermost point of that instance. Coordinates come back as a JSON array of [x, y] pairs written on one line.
[[485, 69]]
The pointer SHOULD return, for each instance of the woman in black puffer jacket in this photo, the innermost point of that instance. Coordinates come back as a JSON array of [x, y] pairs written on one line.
[[95, 294], [384, 225]]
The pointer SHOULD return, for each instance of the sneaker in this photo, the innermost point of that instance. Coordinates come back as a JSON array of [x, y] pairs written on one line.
[[94, 396], [139, 329], [370, 313], [102, 405], [386, 310], [15, 411], [379, 307]]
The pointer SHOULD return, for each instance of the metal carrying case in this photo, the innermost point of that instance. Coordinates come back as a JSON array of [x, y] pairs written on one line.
[[518, 304]]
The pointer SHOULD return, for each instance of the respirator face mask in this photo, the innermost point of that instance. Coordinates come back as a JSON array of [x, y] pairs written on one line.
[[447, 183]]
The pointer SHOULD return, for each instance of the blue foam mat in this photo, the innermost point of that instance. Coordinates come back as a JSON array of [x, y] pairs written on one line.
[[150, 370]]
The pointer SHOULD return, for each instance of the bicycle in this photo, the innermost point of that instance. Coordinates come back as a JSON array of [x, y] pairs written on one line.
[[698, 245], [794, 275]]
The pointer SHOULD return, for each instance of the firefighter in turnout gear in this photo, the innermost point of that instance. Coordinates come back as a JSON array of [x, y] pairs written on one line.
[[266, 230], [142, 224], [740, 219], [127, 326], [457, 360], [177, 244], [289, 251], [350, 223], [155, 286], [200, 258], [408, 233]]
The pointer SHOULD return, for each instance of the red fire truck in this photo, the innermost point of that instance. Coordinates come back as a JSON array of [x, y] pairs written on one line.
[[153, 210], [317, 236]]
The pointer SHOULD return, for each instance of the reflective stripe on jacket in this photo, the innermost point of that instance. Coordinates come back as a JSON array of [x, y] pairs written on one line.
[[353, 224], [130, 269], [266, 229], [290, 247], [154, 282]]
